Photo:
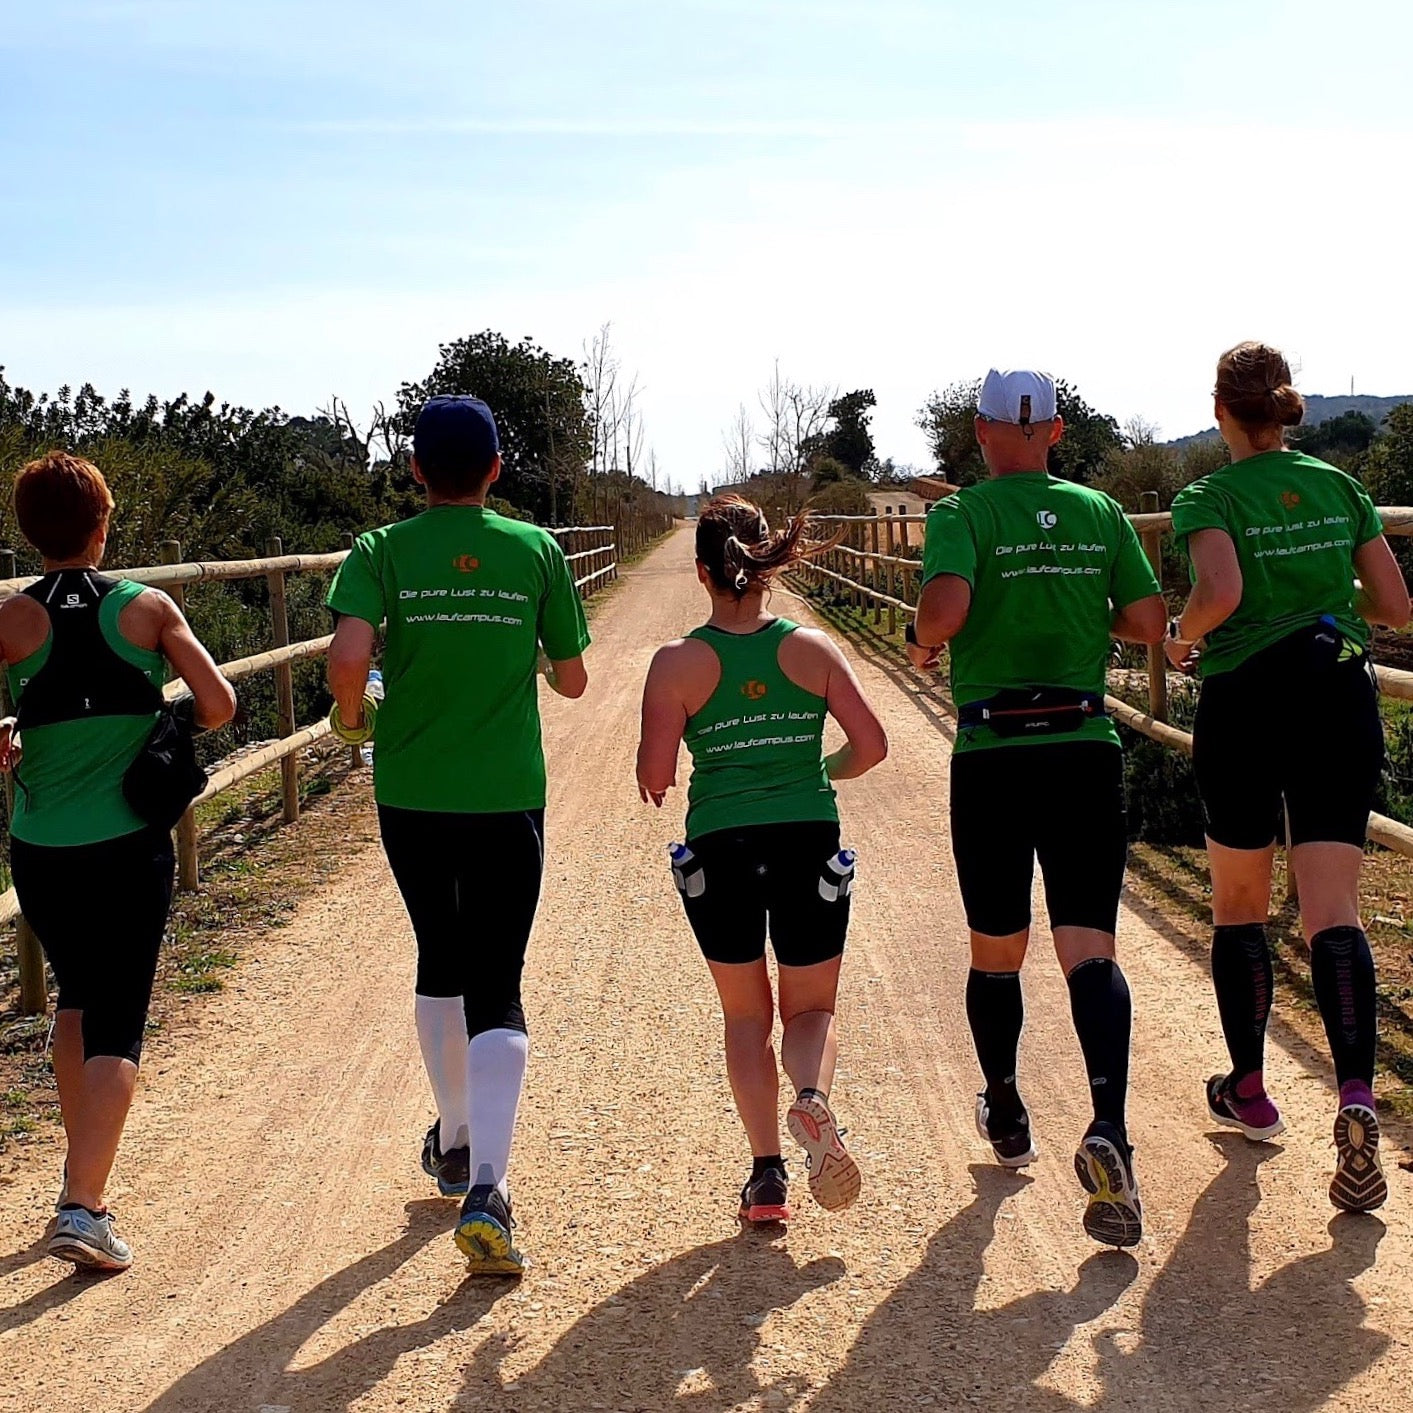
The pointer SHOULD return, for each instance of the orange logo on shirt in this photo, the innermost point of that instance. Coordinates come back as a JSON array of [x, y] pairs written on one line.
[[466, 563], [754, 690], [1289, 499]]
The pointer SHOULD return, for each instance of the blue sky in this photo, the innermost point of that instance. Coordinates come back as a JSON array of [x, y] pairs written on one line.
[[280, 201]]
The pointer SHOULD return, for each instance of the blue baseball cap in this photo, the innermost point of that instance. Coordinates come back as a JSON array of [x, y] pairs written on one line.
[[455, 433]]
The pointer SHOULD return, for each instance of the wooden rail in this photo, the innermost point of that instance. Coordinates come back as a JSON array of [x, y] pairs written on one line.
[[595, 548], [890, 582]]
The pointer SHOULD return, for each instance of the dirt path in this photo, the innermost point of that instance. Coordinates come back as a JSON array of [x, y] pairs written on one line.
[[290, 1257]]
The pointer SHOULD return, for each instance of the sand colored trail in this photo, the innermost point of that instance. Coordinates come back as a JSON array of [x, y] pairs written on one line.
[[291, 1254]]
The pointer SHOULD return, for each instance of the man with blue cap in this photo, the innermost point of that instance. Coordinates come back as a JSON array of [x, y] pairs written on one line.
[[1028, 577], [473, 601]]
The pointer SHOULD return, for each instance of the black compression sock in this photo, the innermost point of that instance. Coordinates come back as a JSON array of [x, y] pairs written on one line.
[[1244, 982], [759, 1165], [996, 1013], [1342, 969], [1103, 1019]]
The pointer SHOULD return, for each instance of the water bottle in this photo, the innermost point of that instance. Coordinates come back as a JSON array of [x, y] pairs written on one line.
[[686, 871], [837, 880], [374, 689]]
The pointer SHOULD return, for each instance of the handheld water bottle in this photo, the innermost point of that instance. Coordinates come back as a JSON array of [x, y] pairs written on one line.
[[375, 690]]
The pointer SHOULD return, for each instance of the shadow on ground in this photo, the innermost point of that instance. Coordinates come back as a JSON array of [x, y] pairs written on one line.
[[257, 1364], [686, 1334]]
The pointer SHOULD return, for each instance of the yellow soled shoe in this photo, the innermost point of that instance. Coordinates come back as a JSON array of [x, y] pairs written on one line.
[[1358, 1184], [483, 1233], [1104, 1166]]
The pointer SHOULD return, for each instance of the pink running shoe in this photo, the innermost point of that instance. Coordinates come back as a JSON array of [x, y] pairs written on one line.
[[1257, 1118]]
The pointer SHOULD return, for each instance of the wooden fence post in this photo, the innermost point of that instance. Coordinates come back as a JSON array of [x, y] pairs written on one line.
[[355, 753], [188, 854], [284, 679], [34, 987], [892, 591], [1157, 658], [873, 578]]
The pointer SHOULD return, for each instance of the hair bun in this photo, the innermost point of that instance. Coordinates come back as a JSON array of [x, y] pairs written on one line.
[[1287, 406]]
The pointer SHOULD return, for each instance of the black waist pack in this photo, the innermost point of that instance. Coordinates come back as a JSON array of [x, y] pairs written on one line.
[[165, 776], [1034, 711], [1315, 648]]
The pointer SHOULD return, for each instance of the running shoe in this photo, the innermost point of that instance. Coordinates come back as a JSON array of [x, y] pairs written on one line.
[[1358, 1184], [765, 1199], [835, 1178], [89, 1241], [451, 1169], [1010, 1141], [483, 1233], [1258, 1119], [1104, 1165]]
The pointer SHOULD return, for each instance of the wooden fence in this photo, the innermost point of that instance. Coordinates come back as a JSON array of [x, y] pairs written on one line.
[[867, 569], [593, 553]]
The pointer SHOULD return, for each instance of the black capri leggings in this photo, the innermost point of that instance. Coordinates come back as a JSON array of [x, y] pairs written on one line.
[[100, 911], [471, 884]]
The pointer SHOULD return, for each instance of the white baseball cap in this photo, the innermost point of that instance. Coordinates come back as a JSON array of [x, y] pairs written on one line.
[[1019, 396]]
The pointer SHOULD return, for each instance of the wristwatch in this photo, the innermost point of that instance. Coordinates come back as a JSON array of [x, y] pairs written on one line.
[[910, 637], [1175, 632]]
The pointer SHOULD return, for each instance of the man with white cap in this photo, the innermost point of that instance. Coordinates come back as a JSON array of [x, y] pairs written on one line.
[[1028, 577]]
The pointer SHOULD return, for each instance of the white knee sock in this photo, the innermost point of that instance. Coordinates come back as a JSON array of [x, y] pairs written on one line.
[[495, 1075], [441, 1032]]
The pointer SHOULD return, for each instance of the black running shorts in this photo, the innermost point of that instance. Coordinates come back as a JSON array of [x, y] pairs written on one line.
[[1314, 739], [100, 912], [776, 877], [1061, 803]]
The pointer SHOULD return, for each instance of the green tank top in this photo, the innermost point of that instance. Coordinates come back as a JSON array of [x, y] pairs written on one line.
[[757, 744], [69, 784]]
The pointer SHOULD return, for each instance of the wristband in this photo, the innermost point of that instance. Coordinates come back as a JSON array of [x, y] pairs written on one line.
[[910, 637], [354, 735]]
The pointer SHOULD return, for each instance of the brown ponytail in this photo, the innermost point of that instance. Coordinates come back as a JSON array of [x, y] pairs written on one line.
[[1253, 384], [741, 552]]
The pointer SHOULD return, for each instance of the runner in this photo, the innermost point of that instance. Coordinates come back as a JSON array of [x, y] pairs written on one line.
[[1028, 577], [1277, 624], [87, 657], [472, 599], [750, 691]]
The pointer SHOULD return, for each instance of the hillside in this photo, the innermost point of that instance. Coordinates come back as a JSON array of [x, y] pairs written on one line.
[[1320, 409]]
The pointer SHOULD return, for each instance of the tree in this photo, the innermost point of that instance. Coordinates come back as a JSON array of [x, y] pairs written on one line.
[[1090, 437], [846, 495], [739, 440], [538, 401], [850, 440], [1388, 470], [828, 471], [1343, 440]]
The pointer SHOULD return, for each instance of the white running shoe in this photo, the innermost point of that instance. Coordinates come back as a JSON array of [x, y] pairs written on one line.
[[835, 1180], [89, 1241]]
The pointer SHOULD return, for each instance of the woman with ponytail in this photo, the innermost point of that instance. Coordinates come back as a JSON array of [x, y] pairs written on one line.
[[749, 692], [1289, 569]]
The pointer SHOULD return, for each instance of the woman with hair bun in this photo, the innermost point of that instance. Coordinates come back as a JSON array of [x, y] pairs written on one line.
[[749, 692], [1289, 569]]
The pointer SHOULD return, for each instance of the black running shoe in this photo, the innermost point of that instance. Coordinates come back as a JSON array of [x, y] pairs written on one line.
[[1104, 1165], [483, 1232], [1010, 1139], [766, 1198], [452, 1169]]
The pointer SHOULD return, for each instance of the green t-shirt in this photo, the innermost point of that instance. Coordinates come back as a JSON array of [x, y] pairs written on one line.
[[1295, 522], [756, 743], [1048, 562], [468, 596]]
